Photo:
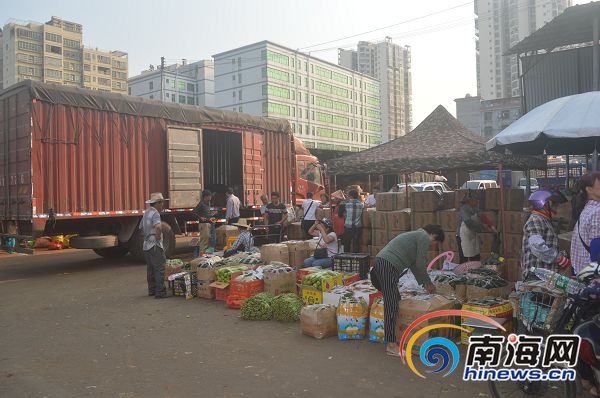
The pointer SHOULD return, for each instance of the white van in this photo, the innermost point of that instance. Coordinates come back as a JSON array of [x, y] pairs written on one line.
[[479, 184]]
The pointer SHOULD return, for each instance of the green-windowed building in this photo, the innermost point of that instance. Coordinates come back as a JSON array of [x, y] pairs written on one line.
[[328, 106]]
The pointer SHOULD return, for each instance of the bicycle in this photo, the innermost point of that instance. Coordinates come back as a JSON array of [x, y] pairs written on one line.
[[543, 312]]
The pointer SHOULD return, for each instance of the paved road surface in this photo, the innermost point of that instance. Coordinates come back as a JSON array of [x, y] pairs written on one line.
[[75, 325]]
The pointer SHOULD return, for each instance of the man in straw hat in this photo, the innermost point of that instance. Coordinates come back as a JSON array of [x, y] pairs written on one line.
[[153, 246], [244, 241]]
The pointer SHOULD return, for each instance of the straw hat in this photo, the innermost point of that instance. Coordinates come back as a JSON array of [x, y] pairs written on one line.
[[156, 197], [242, 223]]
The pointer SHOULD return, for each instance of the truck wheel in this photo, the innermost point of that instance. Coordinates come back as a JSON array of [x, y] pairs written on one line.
[[112, 252], [136, 242], [94, 242]]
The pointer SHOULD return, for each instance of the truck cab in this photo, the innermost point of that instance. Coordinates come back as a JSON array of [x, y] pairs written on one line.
[[308, 174]]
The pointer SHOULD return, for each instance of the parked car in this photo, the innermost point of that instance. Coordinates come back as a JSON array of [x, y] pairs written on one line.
[[422, 186], [533, 184], [479, 184]]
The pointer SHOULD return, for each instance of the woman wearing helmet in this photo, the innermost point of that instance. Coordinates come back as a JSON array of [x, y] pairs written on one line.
[[327, 247], [540, 242]]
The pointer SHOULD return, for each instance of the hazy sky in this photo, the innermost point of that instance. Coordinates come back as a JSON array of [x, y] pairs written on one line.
[[443, 45]]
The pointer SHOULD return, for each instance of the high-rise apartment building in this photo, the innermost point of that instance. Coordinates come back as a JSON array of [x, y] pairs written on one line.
[[390, 64], [499, 25], [328, 106], [192, 84], [53, 53]]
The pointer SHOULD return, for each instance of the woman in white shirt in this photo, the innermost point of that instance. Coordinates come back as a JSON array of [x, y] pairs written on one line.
[[310, 207], [327, 247]]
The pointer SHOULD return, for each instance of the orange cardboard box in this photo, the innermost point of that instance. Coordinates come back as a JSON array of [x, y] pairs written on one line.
[[423, 218]]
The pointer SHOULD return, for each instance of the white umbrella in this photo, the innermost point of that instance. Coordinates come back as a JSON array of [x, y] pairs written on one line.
[[565, 126]]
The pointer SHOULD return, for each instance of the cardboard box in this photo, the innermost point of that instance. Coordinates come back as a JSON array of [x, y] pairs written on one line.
[[475, 293], [221, 290], [366, 237], [365, 248], [278, 283], [206, 274], [421, 219], [513, 199], [380, 237], [515, 220], [486, 242], [448, 220], [275, 252], [225, 232], [432, 200], [450, 244], [204, 289], [398, 220], [298, 252], [311, 296], [492, 308], [367, 216], [375, 249], [514, 244], [295, 231], [322, 213], [511, 270], [410, 309], [318, 323], [360, 289], [388, 201]]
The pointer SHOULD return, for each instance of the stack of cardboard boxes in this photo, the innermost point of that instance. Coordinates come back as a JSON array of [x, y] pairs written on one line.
[[391, 218]]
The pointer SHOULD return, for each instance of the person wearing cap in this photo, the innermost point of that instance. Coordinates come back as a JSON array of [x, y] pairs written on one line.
[[154, 251], [244, 241], [206, 228], [468, 228], [328, 240], [232, 214], [540, 242]]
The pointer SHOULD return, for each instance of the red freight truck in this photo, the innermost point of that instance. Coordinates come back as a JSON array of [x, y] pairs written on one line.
[[75, 161]]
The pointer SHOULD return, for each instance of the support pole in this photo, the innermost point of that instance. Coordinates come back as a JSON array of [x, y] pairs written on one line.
[[406, 189], [370, 188], [528, 186], [568, 172], [502, 212]]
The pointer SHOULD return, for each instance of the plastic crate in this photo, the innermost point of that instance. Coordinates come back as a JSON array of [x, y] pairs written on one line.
[[352, 262], [246, 289]]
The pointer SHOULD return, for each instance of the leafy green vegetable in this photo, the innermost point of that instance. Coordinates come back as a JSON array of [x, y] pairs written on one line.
[[287, 307]]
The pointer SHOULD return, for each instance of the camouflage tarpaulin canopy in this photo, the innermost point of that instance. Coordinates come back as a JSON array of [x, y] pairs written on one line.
[[439, 143]]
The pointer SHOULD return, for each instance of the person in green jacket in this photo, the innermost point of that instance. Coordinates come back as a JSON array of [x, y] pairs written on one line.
[[405, 251]]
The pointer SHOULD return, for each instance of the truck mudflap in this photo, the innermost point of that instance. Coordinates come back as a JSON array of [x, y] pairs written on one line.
[[12, 243]]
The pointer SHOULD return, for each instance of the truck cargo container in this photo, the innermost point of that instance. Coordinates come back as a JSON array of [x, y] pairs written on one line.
[[76, 161]]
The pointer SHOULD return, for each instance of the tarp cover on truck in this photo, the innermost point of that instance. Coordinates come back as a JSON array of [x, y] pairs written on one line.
[[137, 106]]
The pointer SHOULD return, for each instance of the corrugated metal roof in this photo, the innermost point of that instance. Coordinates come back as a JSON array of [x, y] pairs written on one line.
[[573, 26]]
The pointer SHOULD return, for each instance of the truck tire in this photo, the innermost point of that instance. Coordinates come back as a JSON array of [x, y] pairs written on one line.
[[112, 252], [136, 242], [94, 242]]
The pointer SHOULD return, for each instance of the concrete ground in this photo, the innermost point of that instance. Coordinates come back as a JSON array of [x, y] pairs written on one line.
[[73, 325]]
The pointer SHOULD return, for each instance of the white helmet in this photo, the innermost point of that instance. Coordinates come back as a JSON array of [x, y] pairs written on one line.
[[589, 273]]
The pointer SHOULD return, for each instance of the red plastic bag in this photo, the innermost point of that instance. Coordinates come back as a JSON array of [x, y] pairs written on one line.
[[56, 246]]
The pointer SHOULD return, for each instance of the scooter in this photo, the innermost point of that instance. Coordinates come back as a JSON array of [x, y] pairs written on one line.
[[588, 366]]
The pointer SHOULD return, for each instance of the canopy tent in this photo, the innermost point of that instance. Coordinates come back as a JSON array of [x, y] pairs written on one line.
[[565, 126], [439, 143]]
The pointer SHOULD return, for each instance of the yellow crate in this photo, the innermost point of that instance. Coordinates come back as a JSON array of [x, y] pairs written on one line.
[[502, 309], [311, 296]]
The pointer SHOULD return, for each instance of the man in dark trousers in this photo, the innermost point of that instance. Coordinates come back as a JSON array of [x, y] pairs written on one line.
[[353, 223], [275, 216], [154, 251], [405, 251], [206, 228]]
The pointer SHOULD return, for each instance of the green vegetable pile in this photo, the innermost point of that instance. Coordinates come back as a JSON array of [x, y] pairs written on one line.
[[258, 307], [287, 307], [316, 280], [224, 274]]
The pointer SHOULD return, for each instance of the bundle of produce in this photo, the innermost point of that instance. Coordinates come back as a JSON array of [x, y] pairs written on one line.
[[287, 307], [211, 262], [251, 259], [485, 279], [249, 276], [224, 274], [316, 280], [258, 308], [352, 316], [277, 269], [447, 277], [318, 320]]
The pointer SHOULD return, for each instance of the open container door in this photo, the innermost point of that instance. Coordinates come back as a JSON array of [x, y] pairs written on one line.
[[184, 148]]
